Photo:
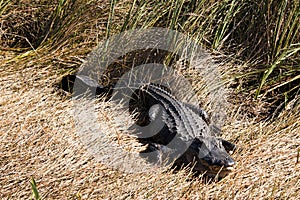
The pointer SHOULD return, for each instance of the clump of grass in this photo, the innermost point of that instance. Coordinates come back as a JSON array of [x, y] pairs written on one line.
[[24, 24], [3, 6], [283, 57], [251, 32], [264, 35], [42, 23]]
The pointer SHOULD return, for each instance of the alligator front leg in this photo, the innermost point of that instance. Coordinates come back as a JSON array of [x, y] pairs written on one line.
[[229, 147], [158, 154]]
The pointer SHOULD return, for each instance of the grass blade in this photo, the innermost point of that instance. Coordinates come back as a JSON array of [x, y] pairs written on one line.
[[34, 189]]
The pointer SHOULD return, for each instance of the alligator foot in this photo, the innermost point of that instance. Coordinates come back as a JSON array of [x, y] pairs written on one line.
[[158, 154], [229, 147]]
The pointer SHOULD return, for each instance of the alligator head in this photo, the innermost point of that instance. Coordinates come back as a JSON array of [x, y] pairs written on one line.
[[210, 156]]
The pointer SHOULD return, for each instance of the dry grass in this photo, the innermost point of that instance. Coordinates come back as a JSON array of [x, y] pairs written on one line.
[[38, 132], [38, 139]]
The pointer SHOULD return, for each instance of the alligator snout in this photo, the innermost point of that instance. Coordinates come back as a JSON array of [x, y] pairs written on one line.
[[229, 162], [209, 156], [218, 157]]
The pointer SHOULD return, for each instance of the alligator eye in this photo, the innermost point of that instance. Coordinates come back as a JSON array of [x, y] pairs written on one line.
[[220, 143]]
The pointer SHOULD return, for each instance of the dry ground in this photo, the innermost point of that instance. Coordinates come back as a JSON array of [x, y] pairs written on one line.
[[38, 139]]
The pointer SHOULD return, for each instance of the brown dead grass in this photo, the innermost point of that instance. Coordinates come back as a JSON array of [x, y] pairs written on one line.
[[38, 139]]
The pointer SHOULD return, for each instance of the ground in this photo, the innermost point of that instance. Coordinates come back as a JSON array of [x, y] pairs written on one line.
[[39, 138]]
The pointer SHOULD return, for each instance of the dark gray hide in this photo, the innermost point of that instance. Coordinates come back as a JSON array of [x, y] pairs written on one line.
[[185, 136]]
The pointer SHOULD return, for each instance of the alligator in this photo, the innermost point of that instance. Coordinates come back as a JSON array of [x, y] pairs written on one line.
[[174, 131], [185, 134]]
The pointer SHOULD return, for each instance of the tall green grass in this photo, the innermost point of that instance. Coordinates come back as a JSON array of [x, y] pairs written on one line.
[[3, 5], [264, 35], [284, 45]]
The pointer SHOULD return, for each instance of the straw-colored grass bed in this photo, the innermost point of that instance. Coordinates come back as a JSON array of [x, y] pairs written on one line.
[[41, 41], [38, 139]]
